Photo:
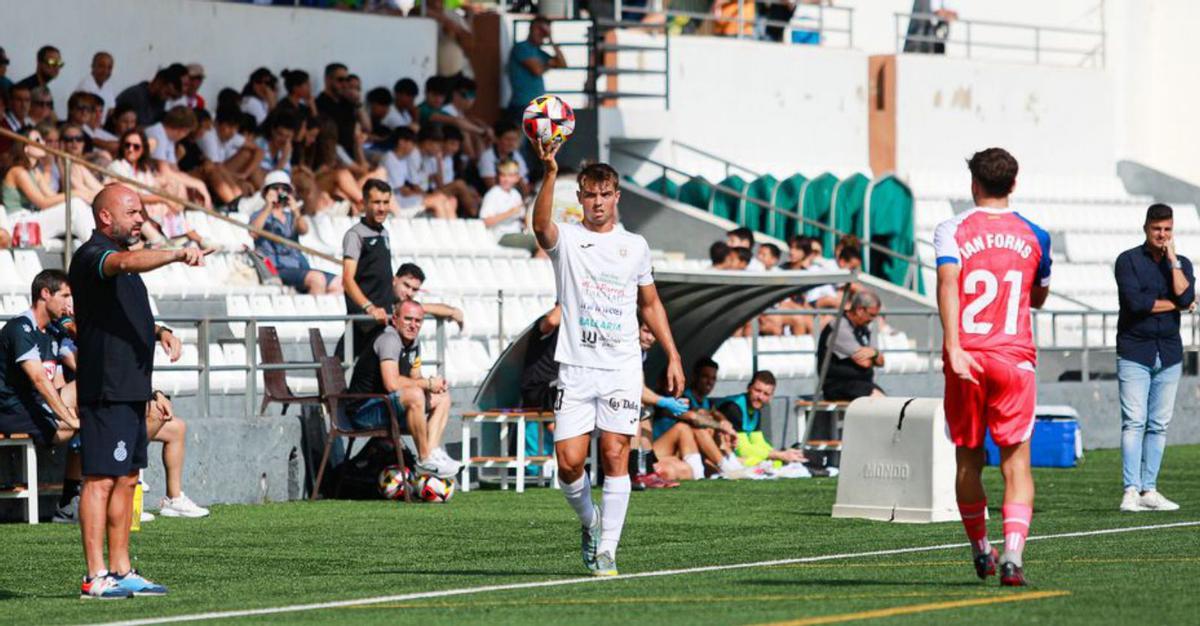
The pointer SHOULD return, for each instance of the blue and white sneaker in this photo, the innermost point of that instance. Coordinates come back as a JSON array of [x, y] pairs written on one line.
[[102, 587], [590, 540], [135, 584]]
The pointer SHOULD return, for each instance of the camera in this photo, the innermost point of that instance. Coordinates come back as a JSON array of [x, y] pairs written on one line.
[[282, 197]]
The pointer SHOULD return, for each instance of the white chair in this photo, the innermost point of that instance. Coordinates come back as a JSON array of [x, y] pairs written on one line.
[[10, 277], [27, 263]]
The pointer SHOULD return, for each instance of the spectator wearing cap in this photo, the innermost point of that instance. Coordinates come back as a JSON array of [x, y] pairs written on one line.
[[527, 66], [853, 350], [281, 216], [149, 99], [5, 82], [97, 82]]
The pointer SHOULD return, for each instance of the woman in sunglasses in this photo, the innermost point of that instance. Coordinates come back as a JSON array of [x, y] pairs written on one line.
[[29, 186], [133, 161]]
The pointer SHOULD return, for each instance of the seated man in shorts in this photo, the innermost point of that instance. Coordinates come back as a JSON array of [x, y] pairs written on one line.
[[391, 365], [699, 436]]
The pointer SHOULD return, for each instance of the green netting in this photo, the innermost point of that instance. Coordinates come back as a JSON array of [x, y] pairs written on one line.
[[755, 216], [849, 198], [697, 192], [664, 186], [891, 208], [725, 203], [815, 205], [787, 197]]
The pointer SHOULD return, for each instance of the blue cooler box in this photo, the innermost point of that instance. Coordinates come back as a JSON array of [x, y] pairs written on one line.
[[1055, 441]]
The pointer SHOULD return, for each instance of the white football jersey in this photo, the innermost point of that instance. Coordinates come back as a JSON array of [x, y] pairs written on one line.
[[597, 276]]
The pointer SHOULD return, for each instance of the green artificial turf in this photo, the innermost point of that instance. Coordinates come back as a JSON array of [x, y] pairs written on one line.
[[285, 554]]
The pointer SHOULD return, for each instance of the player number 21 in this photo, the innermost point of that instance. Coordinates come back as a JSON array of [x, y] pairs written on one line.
[[987, 280]]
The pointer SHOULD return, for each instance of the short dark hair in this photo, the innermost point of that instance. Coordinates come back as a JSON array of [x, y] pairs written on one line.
[[718, 252], [1158, 212], [599, 173], [438, 84], [180, 117], [850, 253], [803, 242], [47, 279], [451, 133], [379, 95], [743, 253], [375, 184], [772, 248], [463, 85], [401, 132], [172, 74], [704, 362], [406, 86], [44, 52], [411, 269], [333, 67], [540, 19], [763, 376], [78, 98], [430, 132], [504, 126], [741, 232], [995, 170], [283, 118], [293, 79], [229, 114]]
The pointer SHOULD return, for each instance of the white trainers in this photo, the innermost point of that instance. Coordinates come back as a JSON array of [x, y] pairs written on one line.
[[440, 467], [1132, 500], [181, 506], [147, 516], [1154, 501]]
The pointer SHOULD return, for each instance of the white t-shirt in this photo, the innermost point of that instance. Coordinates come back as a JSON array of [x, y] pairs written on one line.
[[106, 93], [401, 170], [216, 150], [597, 276], [497, 201], [489, 160], [164, 148], [256, 107], [396, 118]]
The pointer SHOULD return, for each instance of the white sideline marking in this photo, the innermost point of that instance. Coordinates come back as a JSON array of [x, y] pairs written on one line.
[[462, 591]]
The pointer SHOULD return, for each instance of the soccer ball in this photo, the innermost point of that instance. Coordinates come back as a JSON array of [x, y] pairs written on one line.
[[393, 482], [549, 120], [430, 488]]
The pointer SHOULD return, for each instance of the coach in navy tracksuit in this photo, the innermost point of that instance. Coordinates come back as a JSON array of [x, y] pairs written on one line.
[[116, 337]]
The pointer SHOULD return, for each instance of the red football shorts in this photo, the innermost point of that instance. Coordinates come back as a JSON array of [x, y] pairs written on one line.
[[1003, 402]]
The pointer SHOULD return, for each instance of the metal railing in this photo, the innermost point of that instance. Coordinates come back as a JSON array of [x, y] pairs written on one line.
[[750, 26], [204, 367], [1092, 51], [915, 263], [69, 159]]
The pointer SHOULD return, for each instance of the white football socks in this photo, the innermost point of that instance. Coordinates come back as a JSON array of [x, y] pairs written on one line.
[[579, 495], [693, 460], [615, 502]]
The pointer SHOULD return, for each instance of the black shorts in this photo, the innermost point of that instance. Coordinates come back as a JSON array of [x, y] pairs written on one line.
[[849, 389], [113, 435], [35, 421], [539, 398]]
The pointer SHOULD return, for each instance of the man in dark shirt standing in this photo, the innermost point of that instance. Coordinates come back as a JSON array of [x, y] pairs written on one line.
[[1154, 284], [333, 103], [116, 336], [149, 98], [367, 265]]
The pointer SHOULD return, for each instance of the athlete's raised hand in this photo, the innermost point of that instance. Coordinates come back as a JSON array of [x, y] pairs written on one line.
[[547, 153], [963, 364]]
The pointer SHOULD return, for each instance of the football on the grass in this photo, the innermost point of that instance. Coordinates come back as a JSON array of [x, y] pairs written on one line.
[[393, 481], [549, 120], [430, 488]]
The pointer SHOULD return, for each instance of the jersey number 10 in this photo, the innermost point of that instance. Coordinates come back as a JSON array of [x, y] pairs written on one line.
[[987, 280]]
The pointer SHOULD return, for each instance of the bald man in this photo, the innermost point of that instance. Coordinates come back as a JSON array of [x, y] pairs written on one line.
[[116, 337]]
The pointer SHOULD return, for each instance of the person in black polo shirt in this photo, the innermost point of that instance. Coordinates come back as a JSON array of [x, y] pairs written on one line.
[[391, 365], [116, 336], [367, 264], [1154, 284], [856, 352]]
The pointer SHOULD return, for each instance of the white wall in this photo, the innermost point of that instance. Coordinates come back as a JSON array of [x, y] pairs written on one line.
[[230, 40], [1055, 120]]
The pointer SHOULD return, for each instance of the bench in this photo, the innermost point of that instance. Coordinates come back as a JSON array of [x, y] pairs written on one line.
[[821, 436], [519, 462], [29, 490]]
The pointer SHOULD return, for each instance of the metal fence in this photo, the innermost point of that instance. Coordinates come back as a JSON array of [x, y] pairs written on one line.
[[1052, 45]]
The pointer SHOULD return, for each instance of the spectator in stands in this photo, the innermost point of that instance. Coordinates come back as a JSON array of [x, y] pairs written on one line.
[[403, 167], [742, 238], [1154, 284], [42, 106], [277, 145], [121, 120], [5, 82], [164, 136], [83, 110], [28, 184], [379, 107], [224, 145], [457, 113], [454, 40], [191, 97], [97, 82], [335, 103], [853, 351], [338, 177], [404, 104], [731, 11], [719, 253], [527, 66], [744, 412], [49, 64], [281, 216], [367, 264], [149, 99], [391, 365], [354, 94], [437, 92], [437, 168], [258, 94], [929, 29], [769, 255], [407, 286], [848, 253], [83, 181], [508, 142], [20, 101], [135, 163], [504, 210], [697, 435]]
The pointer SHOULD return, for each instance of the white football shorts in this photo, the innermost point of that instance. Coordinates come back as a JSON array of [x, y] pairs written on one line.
[[589, 398]]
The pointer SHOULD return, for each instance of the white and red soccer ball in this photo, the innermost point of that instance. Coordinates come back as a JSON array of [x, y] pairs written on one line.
[[430, 488], [548, 120]]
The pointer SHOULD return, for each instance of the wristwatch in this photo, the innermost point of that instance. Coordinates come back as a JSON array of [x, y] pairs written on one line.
[[1177, 264]]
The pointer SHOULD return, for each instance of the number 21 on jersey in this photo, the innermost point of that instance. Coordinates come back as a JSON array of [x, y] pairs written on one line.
[[977, 317]]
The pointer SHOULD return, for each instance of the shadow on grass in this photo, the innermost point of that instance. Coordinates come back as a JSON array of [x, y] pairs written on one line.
[[574, 573], [5, 594], [851, 582]]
